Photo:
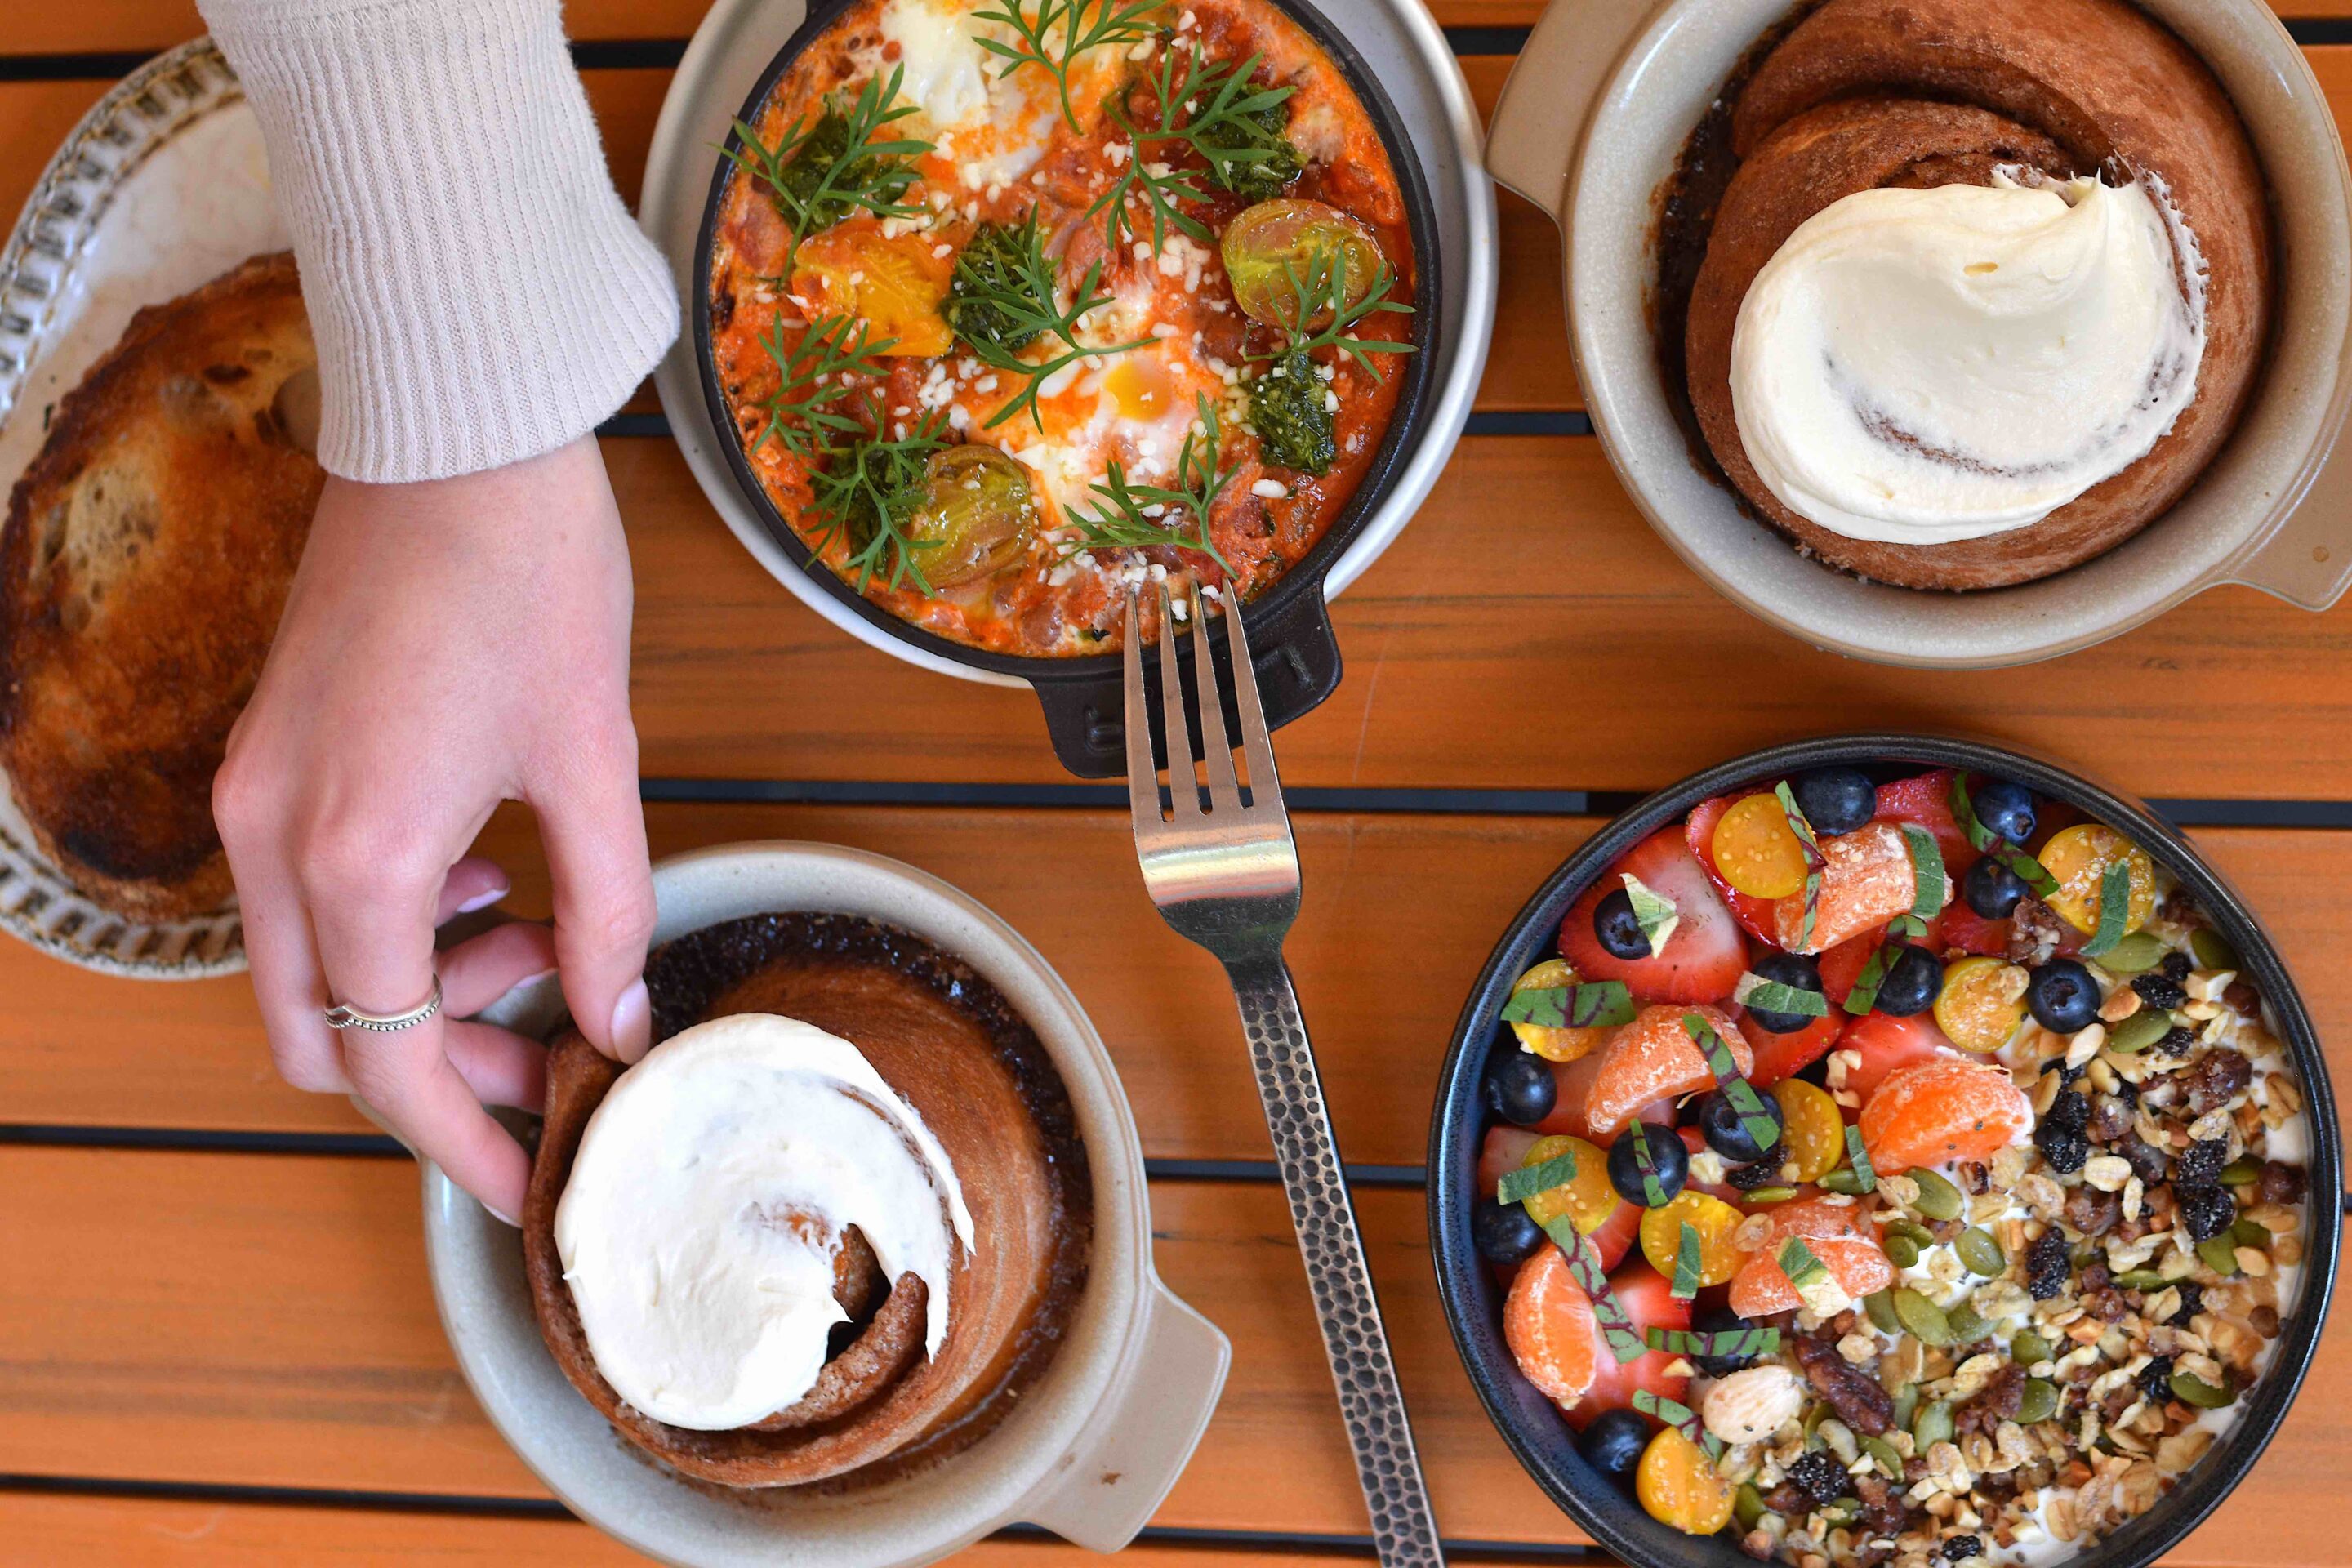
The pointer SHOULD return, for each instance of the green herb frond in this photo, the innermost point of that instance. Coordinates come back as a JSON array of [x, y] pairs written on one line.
[[1015, 295], [805, 411], [838, 164], [1324, 292], [1216, 111], [1130, 516], [867, 492], [1059, 31]]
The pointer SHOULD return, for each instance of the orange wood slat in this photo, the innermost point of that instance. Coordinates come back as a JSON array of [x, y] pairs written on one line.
[[120, 1533], [1400, 913], [266, 1320]]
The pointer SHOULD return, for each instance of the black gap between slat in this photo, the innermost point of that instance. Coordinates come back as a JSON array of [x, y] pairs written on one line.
[[548, 1509]]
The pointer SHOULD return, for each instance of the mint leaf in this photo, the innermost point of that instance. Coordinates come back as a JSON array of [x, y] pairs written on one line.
[[1652, 911], [1617, 1331], [2115, 909], [1588, 1005], [1859, 1157], [1927, 871], [1518, 1186], [1690, 1264], [1754, 991]]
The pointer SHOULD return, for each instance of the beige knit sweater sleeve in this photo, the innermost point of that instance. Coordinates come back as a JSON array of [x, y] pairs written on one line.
[[479, 291]]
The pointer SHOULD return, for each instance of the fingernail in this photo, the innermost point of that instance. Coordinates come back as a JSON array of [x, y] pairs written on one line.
[[633, 1022], [503, 1217], [480, 902]]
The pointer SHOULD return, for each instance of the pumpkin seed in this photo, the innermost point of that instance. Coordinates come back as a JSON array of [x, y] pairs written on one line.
[[1933, 1426], [1922, 1316], [1885, 1455], [1844, 1179], [1772, 1194], [1938, 1199], [2240, 1172], [1902, 1251], [1980, 1252], [2246, 1233], [1907, 1404], [1919, 1233], [1880, 1305], [2028, 1349], [2040, 1402], [2139, 1279], [1747, 1505], [2135, 954], [1966, 1327], [2192, 1390], [2139, 1031], [2213, 950], [2220, 1253]]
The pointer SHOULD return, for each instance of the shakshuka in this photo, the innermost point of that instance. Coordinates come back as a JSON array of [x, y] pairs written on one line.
[[1015, 303]]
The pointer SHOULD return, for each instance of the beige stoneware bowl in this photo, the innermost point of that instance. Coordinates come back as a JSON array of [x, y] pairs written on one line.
[[1094, 1446], [1589, 128]]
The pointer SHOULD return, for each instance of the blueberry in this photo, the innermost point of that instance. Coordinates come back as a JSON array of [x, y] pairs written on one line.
[[2005, 808], [1617, 928], [1836, 800], [1913, 982], [1612, 1444], [1992, 889], [1786, 969], [1503, 1233], [1669, 1162], [1721, 1320], [2062, 996], [1520, 1088], [1723, 1130]]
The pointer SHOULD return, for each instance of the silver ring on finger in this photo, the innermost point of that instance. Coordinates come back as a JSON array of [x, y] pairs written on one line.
[[343, 1015]]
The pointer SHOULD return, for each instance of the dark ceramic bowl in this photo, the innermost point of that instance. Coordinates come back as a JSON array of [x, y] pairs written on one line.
[[1533, 1427], [1292, 647]]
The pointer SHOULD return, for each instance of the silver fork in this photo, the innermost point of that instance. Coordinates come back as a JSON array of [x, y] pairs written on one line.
[[1227, 877]]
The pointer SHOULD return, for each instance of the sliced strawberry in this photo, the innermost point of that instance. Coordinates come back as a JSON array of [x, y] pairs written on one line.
[[1887, 1044], [1749, 911], [1962, 927], [1506, 1149], [1617, 1234], [1650, 1301], [1926, 800], [1704, 957], [1842, 965], [1784, 1056]]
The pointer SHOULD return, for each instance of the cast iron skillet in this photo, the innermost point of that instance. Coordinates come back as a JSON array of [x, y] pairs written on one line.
[[1529, 1423], [1291, 642]]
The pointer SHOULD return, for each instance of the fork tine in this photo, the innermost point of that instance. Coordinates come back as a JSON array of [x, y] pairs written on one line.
[[1183, 784], [1257, 749], [1216, 751], [1142, 776]]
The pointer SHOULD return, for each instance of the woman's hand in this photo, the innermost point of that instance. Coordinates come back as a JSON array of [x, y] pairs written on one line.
[[446, 646]]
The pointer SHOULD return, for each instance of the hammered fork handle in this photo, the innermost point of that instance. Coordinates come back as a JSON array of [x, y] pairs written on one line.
[[1372, 1405]]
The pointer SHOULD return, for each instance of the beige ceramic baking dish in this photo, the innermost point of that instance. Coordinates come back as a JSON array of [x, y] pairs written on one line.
[[1590, 125]]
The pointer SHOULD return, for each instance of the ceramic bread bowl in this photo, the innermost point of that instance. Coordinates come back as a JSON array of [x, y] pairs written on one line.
[[1088, 1451], [1591, 128], [1467, 1124]]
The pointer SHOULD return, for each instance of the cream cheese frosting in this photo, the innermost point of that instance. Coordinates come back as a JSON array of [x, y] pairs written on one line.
[[1923, 366], [707, 1203]]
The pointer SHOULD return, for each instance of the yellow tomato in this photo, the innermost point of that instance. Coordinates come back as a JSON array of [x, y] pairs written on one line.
[[1812, 1132], [1678, 1485], [1715, 1220], [2078, 857], [1553, 1045], [1587, 1197], [1982, 1003], [894, 285], [1757, 851]]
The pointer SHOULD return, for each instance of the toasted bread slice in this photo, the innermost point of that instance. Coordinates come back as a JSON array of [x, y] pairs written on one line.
[[146, 557]]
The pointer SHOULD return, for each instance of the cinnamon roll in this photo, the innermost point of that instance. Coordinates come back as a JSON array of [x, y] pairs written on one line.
[[1987, 287], [830, 1227]]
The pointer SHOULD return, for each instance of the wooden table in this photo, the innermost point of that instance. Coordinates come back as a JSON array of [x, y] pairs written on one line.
[[217, 1342]]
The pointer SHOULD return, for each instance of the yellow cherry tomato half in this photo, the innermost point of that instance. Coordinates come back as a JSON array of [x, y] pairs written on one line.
[[1554, 1045], [1275, 249], [1678, 1485], [1982, 1003], [1756, 850], [1587, 1197], [1715, 1220], [1812, 1132], [2078, 857], [891, 283]]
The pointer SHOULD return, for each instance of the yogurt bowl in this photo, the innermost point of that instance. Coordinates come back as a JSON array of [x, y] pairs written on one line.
[[1092, 1448]]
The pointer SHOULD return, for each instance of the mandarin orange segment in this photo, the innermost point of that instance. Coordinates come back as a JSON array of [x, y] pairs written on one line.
[[2079, 856], [1679, 1486], [1761, 1286], [1866, 880], [1554, 1045], [1937, 1112], [1757, 851], [1587, 1198], [1812, 1132], [1711, 1218], [1652, 1058], [1548, 1322]]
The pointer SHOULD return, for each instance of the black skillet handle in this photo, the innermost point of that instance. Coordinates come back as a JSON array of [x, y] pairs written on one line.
[[1297, 663]]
